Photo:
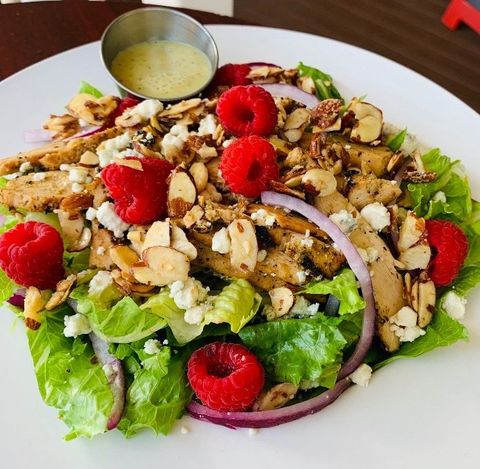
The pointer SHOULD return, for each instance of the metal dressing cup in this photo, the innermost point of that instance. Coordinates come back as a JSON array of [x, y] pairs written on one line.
[[155, 24]]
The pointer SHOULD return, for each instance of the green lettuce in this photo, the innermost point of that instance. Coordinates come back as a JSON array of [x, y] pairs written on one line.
[[344, 287], [87, 88], [158, 395], [455, 203], [394, 142], [121, 322], [298, 350], [77, 261], [323, 82], [68, 378], [8, 221], [235, 305]]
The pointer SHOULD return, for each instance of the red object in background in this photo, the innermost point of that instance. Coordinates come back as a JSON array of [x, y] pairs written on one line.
[[461, 11]]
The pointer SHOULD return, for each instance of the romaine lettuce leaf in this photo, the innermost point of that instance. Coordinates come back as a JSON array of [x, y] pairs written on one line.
[[7, 287], [428, 201], [235, 305], [87, 88], [158, 395], [7, 222], [394, 142], [123, 322], [296, 350], [323, 82], [68, 378], [344, 287], [77, 261]]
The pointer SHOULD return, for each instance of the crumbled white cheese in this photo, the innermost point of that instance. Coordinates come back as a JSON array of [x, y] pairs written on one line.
[[221, 241], [261, 255], [187, 294], [301, 276], [91, 214], [184, 430], [25, 166], [99, 283], [377, 215], [77, 174], [307, 242], [262, 218], [165, 342], [362, 375], [100, 250], [11, 176], [113, 148], [439, 197], [37, 177], [196, 314], [110, 220], [368, 255], [228, 142], [145, 110], [76, 325], [344, 220], [65, 167], [173, 142], [253, 431], [152, 346], [454, 305], [207, 125], [404, 325], [77, 188]]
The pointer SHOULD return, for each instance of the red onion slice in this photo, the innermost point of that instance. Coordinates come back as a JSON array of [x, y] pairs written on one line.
[[37, 136], [271, 418], [113, 370], [18, 298], [289, 91], [86, 132]]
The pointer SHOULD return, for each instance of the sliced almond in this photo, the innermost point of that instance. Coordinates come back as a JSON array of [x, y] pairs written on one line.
[[136, 237], [282, 147], [426, 301], [193, 216], [82, 242], [168, 264], [416, 257], [61, 293], [123, 257], [144, 274], [368, 127], [181, 243], [182, 193], [75, 203], [92, 110], [181, 107], [211, 193], [276, 397], [133, 164], [323, 182], [411, 231], [89, 159], [34, 304], [128, 286], [199, 173], [297, 119], [282, 300], [157, 235], [244, 246]]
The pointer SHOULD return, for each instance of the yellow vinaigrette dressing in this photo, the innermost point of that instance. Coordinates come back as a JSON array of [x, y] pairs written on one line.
[[162, 69]]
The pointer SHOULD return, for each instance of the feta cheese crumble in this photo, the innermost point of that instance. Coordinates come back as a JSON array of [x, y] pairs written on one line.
[[196, 314], [173, 142], [37, 177], [99, 283], [377, 215], [77, 174], [146, 109], [262, 218], [152, 346], [91, 214], [404, 325], [25, 166], [261, 255], [76, 325], [77, 188], [301, 276], [362, 375], [221, 241], [344, 220], [110, 220], [207, 125], [454, 305], [113, 148], [187, 294]]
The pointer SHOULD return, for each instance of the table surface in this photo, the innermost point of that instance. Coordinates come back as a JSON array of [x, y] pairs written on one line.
[[407, 31]]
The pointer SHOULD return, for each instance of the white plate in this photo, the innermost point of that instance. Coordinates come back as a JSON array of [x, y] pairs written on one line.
[[419, 413]]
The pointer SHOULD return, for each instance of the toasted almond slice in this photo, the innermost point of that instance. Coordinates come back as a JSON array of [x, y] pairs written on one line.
[[89, 159], [34, 304], [182, 244], [244, 246], [82, 242], [168, 264], [282, 300], [416, 257], [62, 291], [123, 257], [157, 235], [276, 397], [128, 284], [182, 193], [366, 130], [133, 164], [181, 107], [199, 172], [144, 274], [426, 302], [411, 231], [193, 216], [136, 237]]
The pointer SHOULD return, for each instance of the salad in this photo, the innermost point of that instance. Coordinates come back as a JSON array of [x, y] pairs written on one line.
[[244, 256]]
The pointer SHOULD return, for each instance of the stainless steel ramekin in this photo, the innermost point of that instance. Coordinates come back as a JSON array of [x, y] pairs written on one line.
[[153, 24]]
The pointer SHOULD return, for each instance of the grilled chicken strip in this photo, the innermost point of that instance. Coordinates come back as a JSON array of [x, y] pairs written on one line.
[[366, 189], [51, 156], [387, 282]]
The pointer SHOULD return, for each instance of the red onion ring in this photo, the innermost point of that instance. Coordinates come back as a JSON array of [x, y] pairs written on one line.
[[271, 418], [113, 370], [289, 91], [18, 298], [399, 175], [86, 132]]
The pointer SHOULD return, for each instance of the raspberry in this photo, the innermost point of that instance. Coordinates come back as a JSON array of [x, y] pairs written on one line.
[[450, 247], [247, 110], [232, 75], [248, 165], [140, 196], [31, 254], [225, 377]]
